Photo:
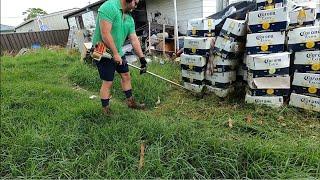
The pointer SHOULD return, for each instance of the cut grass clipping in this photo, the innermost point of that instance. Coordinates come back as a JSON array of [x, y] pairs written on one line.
[[51, 129]]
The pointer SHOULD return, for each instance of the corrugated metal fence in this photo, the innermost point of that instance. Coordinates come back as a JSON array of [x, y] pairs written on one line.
[[16, 41]]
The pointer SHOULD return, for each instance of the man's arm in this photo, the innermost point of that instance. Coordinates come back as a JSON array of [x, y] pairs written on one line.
[[106, 27], [136, 44], [137, 48]]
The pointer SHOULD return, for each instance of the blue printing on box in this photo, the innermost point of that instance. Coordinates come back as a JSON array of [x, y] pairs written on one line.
[[265, 73], [232, 37], [305, 68], [193, 68], [302, 47], [202, 52], [272, 49], [201, 33], [194, 81], [218, 85], [274, 27], [263, 92], [304, 91]]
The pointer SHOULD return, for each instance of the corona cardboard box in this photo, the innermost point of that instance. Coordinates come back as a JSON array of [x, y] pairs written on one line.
[[265, 43], [272, 20], [221, 92], [198, 46], [193, 74], [302, 17], [193, 87], [201, 27], [272, 101], [306, 84], [266, 65], [268, 92], [221, 80], [193, 60], [304, 38], [227, 48], [270, 4], [307, 62], [305, 102], [271, 83], [234, 29], [219, 64]]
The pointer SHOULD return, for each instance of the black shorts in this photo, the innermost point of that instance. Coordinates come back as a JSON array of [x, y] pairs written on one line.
[[107, 67]]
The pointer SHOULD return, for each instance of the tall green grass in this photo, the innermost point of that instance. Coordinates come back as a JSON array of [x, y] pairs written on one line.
[[146, 88], [49, 129]]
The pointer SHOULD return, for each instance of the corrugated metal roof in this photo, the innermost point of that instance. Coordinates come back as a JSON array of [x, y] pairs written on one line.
[[84, 9]]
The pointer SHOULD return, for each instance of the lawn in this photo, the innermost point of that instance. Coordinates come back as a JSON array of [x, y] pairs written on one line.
[[50, 128]]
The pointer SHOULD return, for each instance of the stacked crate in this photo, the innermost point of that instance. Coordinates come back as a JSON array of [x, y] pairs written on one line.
[[196, 53], [228, 50], [270, 4], [268, 63], [317, 21], [305, 43]]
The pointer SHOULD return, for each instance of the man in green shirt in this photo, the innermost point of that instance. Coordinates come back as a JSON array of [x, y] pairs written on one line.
[[114, 24]]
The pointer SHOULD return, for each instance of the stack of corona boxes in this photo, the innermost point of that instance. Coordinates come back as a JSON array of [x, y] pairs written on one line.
[[228, 50], [317, 22], [304, 42], [196, 53], [268, 63]]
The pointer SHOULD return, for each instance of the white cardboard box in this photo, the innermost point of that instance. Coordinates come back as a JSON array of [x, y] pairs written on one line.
[[302, 16], [193, 87], [218, 60], [268, 61], [266, 4], [272, 20], [201, 27], [265, 43], [272, 101], [223, 77], [306, 80], [220, 92], [199, 46], [279, 82], [234, 28], [228, 48], [304, 38], [193, 75], [193, 60], [198, 43], [307, 61], [307, 57], [305, 102]]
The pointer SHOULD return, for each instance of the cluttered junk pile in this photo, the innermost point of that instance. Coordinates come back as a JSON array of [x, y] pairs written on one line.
[[273, 46]]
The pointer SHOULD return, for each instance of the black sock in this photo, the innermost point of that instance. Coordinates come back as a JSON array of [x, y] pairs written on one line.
[[128, 93], [105, 102]]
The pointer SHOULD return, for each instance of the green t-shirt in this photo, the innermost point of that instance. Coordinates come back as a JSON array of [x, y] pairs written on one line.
[[122, 24]]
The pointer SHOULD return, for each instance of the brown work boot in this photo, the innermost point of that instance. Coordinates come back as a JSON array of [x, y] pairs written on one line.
[[106, 111], [134, 105]]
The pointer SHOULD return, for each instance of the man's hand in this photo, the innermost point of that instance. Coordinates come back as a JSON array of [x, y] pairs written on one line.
[[117, 59], [143, 66]]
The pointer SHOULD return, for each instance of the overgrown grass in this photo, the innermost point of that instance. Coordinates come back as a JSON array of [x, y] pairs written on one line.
[[50, 129]]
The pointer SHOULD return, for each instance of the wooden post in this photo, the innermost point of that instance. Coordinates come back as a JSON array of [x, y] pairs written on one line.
[[164, 40], [176, 39], [149, 37]]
